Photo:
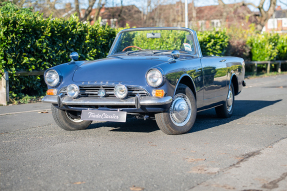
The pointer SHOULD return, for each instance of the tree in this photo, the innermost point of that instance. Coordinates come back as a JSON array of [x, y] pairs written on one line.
[[87, 11], [263, 15]]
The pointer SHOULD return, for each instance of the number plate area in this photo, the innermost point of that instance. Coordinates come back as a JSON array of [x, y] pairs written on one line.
[[102, 115]]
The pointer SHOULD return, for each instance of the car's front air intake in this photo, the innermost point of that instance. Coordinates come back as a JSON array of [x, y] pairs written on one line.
[[92, 91]]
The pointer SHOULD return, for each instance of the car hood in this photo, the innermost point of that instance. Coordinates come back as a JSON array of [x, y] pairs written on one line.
[[117, 69]]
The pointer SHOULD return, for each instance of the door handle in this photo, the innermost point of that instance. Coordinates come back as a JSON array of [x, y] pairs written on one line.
[[222, 60]]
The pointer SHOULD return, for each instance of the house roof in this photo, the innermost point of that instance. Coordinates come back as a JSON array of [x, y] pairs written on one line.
[[217, 11], [281, 14]]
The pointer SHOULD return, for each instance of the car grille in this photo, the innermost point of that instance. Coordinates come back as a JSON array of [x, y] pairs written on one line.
[[92, 91]]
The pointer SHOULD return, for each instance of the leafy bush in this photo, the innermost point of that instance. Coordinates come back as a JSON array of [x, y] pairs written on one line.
[[213, 42], [263, 47], [282, 48], [238, 48], [30, 42]]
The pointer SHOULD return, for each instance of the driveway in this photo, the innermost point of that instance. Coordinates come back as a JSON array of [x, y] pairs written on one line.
[[244, 152]]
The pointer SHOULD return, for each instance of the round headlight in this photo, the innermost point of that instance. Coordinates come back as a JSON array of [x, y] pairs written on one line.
[[52, 78], [121, 91], [154, 78], [73, 90]]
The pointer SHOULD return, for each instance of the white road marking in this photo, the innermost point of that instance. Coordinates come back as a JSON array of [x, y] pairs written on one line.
[[24, 112]]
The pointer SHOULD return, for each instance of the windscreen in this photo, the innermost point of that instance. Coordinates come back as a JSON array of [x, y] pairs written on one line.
[[155, 40]]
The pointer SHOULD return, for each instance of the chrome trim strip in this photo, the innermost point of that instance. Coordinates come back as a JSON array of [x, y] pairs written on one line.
[[108, 101]]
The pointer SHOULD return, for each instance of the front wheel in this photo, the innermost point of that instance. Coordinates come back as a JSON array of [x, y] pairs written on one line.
[[69, 120], [181, 116], [226, 110]]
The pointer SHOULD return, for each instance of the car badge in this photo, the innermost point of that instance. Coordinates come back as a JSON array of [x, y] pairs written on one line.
[[101, 93]]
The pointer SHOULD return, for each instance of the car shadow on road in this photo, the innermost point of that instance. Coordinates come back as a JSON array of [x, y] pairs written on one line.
[[205, 120], [208, 119], [132, 125]]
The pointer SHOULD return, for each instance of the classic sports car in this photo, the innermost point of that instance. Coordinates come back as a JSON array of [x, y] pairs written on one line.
[[149, 72]]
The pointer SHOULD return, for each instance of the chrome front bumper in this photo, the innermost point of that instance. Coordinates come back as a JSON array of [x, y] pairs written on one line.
[[108, 101]]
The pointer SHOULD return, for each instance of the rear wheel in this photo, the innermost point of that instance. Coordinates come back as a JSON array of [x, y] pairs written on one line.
[[226, 110], [69, 120], [181, 116]]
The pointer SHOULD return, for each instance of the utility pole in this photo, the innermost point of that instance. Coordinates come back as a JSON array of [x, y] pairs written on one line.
[[186, 15]]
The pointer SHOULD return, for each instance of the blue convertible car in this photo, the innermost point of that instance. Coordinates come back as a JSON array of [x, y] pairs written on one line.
[[149, 72]]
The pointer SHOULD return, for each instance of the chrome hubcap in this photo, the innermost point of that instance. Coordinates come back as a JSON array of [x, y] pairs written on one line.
[[180, 110], [73, 118], [229, 100]]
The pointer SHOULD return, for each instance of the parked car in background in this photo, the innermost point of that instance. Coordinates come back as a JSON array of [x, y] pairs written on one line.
[[149, 72]]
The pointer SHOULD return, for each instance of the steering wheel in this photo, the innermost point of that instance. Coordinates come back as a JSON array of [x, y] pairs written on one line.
[[131, 47]]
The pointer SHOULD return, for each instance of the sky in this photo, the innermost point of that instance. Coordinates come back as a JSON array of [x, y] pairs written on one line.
[[139, 3]]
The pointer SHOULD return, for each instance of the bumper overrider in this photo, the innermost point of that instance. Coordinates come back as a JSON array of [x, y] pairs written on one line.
[[141, 104]]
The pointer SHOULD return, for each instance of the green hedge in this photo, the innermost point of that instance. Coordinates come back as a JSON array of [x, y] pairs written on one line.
[[213, 42], [265, 47], [30, 42]]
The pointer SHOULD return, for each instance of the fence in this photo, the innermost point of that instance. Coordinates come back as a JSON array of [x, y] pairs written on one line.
[[278, 64], [4, 82]]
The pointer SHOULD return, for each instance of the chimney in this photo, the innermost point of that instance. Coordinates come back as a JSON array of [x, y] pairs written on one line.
[[278, 8], [103, 8]]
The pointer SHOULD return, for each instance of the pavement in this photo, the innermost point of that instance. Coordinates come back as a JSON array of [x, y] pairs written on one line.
[[244, 152]]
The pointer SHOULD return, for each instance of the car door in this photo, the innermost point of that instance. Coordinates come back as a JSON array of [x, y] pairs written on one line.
[[214, 79]]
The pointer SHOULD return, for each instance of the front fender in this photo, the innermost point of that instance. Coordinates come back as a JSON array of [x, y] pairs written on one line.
[[188, 81]]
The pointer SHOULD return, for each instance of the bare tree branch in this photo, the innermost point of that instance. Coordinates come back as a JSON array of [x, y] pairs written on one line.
[[97, 14], [264, 15], [77, 5], [88, 10], [283, 3]]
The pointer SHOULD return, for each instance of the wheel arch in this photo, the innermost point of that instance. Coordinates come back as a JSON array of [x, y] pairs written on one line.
[[234, 81], [188, 81]]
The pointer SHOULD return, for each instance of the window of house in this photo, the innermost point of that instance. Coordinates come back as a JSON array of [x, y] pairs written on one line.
[[284, 22], [104, 22], [272, 23], [215, 23], [201, 25], [113, 23]]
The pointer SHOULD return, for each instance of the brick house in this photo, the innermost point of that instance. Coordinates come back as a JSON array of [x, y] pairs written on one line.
[[278, 22], [202, 18], [117, 16]]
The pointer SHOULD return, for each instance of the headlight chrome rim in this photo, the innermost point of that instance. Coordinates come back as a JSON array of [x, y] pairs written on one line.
[[149, 77], [119, 93], [52, 78], [73, 90]]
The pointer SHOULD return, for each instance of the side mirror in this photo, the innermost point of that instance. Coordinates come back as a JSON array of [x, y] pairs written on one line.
[[74, 56], [175, 54]]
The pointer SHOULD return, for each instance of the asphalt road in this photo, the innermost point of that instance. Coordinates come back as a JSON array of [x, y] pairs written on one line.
[[244, 152]]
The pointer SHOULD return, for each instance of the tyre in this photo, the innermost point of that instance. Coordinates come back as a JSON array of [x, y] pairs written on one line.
[[69, 120], [181, 115], [226, 110]]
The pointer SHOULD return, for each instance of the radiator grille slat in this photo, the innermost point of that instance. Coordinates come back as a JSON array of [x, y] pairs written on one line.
[[92, 91]]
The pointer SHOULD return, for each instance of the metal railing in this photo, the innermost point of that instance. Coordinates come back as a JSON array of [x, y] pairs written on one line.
[[278, 64], [4, 82]]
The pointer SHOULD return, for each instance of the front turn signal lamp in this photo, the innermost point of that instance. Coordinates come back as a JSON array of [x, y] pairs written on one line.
[[158, 93], [51, 92]]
